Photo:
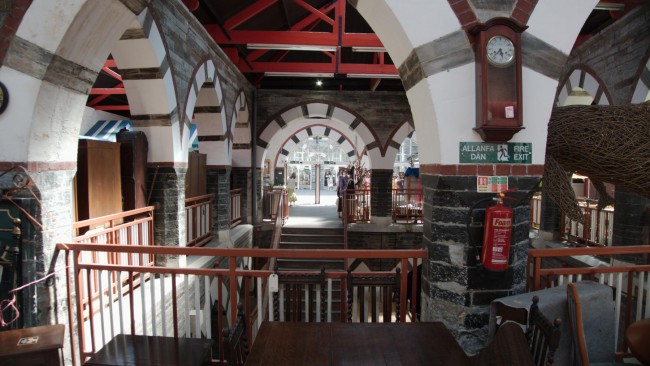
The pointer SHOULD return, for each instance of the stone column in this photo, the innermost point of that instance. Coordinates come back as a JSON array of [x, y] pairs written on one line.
[[219, 187], [168, 196], [631, 221], [240, 178], [381, 195], [455, 289], [550, 220]]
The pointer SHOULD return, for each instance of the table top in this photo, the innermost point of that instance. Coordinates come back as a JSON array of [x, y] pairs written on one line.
[[637, 336], [288, 343], [127, 349], [49, 337]]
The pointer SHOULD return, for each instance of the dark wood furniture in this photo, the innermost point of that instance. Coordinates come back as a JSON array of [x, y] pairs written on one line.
[[235, 340], [134, 149], [385, 289], [543, 335], [637, 337], [32, 346], [508, 347], [395, 344], [128, 350]]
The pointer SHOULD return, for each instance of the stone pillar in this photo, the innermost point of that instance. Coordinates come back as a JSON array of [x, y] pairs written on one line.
[[168, 196], [631, 220], [550, 220], [219, 187], [381, 195], [455, 289], [241, 178]]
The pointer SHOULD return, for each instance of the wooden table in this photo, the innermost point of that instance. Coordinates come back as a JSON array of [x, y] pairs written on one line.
[[637, 337], [32, 346], [151, 350], [284, 343]]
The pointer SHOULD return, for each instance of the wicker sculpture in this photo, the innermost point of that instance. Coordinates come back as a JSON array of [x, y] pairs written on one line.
[[606, 143]]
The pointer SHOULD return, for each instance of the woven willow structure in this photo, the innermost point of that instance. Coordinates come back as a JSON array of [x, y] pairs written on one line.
[[606, 143]]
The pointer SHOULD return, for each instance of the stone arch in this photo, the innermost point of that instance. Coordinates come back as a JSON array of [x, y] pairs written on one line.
[[303, 133], [642, 89], [241, 146], [321, 112], [582, 80], [141, 55], [205, 103], [397, 137]]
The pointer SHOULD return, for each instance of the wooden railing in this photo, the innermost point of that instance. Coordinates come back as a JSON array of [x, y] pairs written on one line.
[[407, 205], [597, 230], [357, 205], [236, 208], [630, 282], [185, 302], [198, 220], [271, 195]]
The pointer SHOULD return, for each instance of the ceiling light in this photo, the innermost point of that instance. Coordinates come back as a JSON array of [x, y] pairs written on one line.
[[319, 82], [289, 47], [373, 76], [368, 49], [300, 74], [602, 5]]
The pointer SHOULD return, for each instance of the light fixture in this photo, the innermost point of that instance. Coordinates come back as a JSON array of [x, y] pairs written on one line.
[[319, 82], [368, 49], [289, 47], [300, 74], [602, 5], [373, 76]]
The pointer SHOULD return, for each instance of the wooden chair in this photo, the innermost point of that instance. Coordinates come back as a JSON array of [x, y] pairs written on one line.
[[542, 334], [578, 343], [512, 346], [235, 340], [382, 289]]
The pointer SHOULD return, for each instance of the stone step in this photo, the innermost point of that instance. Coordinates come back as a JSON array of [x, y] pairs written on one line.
[[312, 231], [301, 264], [312, 238]]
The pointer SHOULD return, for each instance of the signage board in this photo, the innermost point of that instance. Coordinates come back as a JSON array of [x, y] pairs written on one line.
[[495, 153], [491, 184]]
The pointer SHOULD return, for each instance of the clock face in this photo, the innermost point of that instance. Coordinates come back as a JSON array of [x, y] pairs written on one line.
[[500, 51]]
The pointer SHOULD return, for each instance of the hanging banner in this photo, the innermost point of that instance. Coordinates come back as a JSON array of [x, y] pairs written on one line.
[[493, 153]]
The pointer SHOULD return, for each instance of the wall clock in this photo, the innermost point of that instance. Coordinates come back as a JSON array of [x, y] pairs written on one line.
[[497, 48]]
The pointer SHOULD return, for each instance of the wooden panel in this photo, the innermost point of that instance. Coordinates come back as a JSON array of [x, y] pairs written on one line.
[[195, 179], [133, 160], [99, 190]]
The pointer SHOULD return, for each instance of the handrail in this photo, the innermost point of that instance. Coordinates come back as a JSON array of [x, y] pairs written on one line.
[[160, 292], [112, 218], [279, 218], [407, 205], [597, 229], [198, 219]]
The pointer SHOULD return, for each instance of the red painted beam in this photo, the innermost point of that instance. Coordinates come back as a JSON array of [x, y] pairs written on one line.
[[294, 38], [322, 67], [111, 107], [246, 14], [314, 11], [109, 91], [99, 98]]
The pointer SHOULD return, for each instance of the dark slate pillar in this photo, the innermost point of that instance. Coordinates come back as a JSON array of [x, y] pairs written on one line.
[[455, 288], [240, 178], [631, 220], [551, 215], [219, 186], [168, 196], [381, 193]]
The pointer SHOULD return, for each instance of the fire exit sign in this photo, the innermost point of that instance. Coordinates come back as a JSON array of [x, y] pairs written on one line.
[[492, 153]]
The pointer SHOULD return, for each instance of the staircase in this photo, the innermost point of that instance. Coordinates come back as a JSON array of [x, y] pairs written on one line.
[[297, 287]]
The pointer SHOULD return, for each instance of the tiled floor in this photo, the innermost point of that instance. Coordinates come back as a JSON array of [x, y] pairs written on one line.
[[305, 213]]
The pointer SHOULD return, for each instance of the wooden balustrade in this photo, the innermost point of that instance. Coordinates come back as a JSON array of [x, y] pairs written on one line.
[[407, 205], [236, 208], [597, 229], [619, 268], [198, 219], [185, 302], [356, 206]]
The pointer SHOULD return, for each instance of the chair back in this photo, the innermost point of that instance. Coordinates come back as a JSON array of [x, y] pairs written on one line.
[[543, 335], [235, 340], [577, 333], [384, 289]]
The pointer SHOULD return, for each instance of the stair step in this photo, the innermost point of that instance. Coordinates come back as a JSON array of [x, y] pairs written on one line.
[[312, 231], [309, 245], [309, 265], [313, 238]]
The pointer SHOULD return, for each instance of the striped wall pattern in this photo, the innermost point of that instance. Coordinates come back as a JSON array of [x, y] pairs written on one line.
[[241, 144], [585, 80], [642, 90], [106, 130]]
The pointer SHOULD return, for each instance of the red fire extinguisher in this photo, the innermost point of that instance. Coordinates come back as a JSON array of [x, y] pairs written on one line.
[[496, 236]]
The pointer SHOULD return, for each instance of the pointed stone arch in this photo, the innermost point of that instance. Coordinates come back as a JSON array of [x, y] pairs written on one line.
[[642, 89], [582, 80]]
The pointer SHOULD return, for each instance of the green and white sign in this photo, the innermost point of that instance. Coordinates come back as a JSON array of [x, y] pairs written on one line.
[[491, 153]]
